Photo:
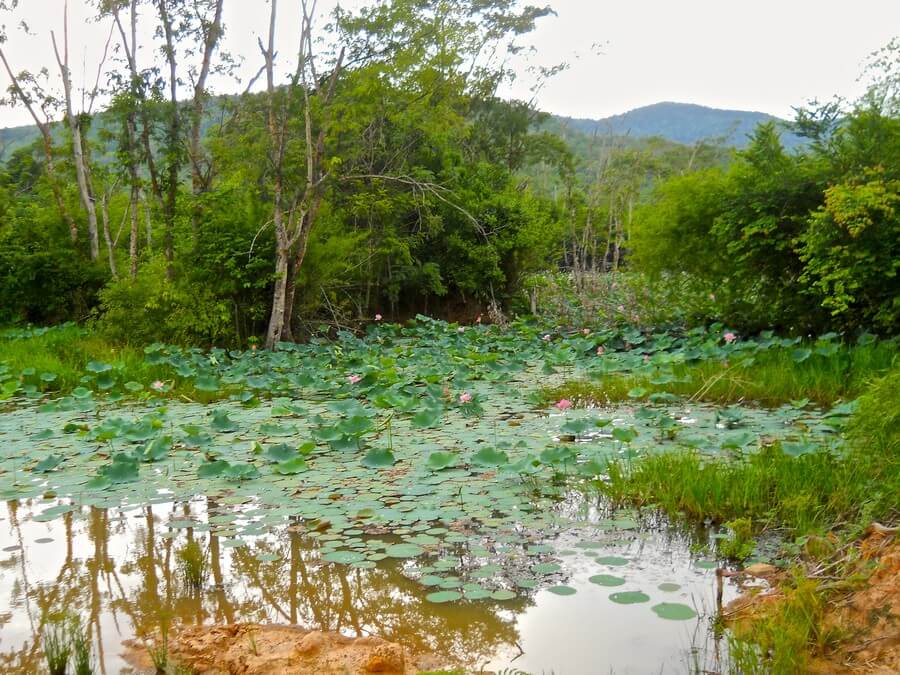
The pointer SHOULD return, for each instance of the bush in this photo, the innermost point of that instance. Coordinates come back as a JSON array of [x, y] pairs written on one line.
[[152, 308]]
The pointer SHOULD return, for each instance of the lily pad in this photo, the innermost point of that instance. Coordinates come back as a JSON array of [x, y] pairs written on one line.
[[674, 611], [629, 597], [606, 580]]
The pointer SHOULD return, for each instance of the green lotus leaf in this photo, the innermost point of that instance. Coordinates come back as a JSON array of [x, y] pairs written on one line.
[[378, 458], [490, 457], [674, 611], [629, 597], [439, 460]]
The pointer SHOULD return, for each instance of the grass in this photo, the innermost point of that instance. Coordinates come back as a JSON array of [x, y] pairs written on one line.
[[192, 564], [66, 350], [805, 496], [783, 633], [772, 377], [81, 648], [57, 647]]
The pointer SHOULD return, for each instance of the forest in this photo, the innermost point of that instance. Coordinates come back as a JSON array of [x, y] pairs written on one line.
[[370, 329]]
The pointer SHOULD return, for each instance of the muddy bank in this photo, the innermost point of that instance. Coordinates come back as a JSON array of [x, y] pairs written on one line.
[[256, 649], [862, 610]]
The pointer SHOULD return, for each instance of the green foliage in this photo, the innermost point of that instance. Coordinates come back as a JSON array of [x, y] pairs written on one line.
[[738, 544], [57, 646], [803, 241], [152, 308], [192, 563], [851, 250]]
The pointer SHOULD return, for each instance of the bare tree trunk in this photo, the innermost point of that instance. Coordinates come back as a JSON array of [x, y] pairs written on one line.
[[133, 240], [82, 171], [149, 223], [200, 170], [172, 140], [104, 210]]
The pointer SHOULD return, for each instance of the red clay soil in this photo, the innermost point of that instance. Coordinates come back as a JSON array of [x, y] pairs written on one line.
[[255, 649], [868, 619]]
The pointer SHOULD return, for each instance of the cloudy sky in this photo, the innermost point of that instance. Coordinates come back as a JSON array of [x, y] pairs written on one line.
[[766, 55]]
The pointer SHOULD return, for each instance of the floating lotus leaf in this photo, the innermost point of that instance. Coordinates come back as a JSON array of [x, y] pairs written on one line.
[[490, 457], [629, 597], [379, 458], [437, 461], [606, 580], [674, 611], [222, 423], [344, 557], [668, 587], [281, 452], [562, 590], [291, 467], [48, 464], [404, 551], [502, 595], [614, 561], [444, 596]]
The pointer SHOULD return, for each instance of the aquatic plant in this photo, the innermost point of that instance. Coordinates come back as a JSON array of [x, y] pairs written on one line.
[[57, 646], [192, 564], [82, 657]]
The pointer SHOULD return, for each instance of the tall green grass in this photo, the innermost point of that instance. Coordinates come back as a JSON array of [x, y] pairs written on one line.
[[812, 492], [807, 495], [773, 377], [65, 352]]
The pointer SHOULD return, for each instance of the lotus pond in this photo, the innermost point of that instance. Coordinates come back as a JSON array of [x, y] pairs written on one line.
[[412, 483]]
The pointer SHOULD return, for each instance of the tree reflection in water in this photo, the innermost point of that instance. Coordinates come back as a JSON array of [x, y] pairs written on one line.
[[118, 571]]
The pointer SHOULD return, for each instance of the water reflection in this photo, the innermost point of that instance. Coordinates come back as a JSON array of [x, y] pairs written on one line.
[[118, 570]]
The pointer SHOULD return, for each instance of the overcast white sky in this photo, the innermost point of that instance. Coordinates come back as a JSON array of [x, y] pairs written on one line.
[[766, 55]]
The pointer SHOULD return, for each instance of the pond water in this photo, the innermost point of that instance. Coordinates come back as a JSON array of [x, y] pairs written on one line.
[[468, 531], [118, 570]]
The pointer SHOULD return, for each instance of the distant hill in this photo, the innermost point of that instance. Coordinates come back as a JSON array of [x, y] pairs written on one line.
[[683, 123]]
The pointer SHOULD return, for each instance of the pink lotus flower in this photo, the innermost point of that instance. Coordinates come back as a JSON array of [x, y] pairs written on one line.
[[478, 320], [563, 404], [600, 350], [378, 317], [157, 385], [646, 358], [621, 308], [465, 397], [546, 338], [354, 379], [730, 337], [585, 331]]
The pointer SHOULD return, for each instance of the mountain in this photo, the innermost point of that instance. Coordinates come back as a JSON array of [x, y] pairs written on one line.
[[683, 123]]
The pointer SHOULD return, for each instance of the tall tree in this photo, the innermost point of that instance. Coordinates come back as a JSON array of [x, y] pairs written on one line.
[[82, 168], [25, 88]]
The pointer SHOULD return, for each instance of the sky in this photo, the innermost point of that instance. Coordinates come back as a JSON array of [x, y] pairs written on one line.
[[764, 55]]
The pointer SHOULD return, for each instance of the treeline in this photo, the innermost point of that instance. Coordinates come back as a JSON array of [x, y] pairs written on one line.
[[380, 176], [383, 175], [806, 241]]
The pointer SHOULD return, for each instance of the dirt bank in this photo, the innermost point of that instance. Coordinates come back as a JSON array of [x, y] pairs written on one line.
[[864, 615], [255, 649]]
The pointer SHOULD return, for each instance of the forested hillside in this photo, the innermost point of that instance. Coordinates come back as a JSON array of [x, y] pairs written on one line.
[[685, 123]]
